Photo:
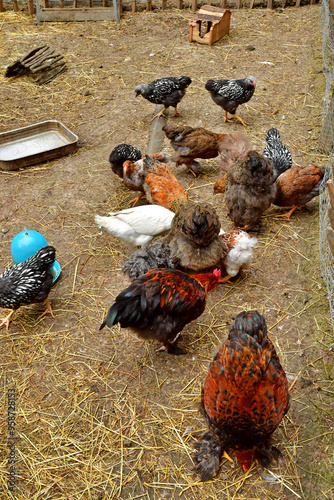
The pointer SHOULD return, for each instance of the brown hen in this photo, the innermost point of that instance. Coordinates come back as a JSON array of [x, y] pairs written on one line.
[[298, 185], [244, 398], [249, 190], [160, 303]]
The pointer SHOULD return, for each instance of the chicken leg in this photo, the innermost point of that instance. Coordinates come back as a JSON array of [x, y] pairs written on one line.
[[290, 212], [6, 321], [47, 310]]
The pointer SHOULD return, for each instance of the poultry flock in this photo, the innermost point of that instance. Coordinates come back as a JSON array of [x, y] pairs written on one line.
[[183, 253]]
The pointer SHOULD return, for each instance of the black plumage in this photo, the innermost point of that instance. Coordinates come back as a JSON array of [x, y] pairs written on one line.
[[120, 154], [229, 94], [167, 91], [28, 282], [277, 152]]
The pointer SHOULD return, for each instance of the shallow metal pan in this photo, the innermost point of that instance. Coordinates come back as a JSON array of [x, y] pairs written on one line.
[[37, 143]]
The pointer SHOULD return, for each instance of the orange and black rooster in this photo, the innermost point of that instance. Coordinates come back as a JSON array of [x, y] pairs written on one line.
[[160, 303], [299, 185], [244, 398]]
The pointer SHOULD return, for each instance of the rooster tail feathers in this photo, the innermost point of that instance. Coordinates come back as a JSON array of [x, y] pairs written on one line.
[[111, 318]]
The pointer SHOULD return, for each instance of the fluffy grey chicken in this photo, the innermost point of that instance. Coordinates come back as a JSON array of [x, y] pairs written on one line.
[[27, 283], [192, 245], [120, 154], [167, 91], [277, 152], [229, 94]]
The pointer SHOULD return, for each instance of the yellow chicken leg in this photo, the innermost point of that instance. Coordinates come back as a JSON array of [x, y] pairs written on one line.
[[47, 310], [227, 119], [241, 120], [289, 213], [161, 113], [6, 321]]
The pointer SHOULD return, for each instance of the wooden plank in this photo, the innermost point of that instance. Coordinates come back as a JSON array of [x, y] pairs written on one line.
[[1, 6], [134, 6], [180, 4], [330, 187], [331, 216], [270, 4], [194, 4], [164, 4], [69, 14], [149, 5], [251, 5], [239, 4], [30, 7], [223, 4], [15, 6]]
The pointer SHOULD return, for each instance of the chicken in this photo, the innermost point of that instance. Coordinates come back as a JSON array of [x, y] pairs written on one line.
[[137, 225], [193, 244], [233, 148], [160, 303], [244, 398], [277, 152], [239, 247], [120, 154], [249, 190], [190, 143], [27, 283], [299, 185], [229, 94], [167, 91], [156, 180]]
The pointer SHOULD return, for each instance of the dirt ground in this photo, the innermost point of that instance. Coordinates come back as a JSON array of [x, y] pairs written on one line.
[[101, 414]]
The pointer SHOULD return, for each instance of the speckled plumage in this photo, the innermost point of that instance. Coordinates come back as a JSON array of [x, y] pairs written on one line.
[[277, 152], [229, 94], [27, 282], [167, 91], [244, 398], [120, 154]]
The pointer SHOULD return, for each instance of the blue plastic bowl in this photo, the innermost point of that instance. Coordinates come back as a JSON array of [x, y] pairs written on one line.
[[26, 243]]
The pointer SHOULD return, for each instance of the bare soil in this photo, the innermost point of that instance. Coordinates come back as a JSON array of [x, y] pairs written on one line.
[[101, 414]]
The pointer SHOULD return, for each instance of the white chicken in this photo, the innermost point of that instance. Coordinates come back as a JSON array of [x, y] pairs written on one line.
[[137, 225], [239, 246]]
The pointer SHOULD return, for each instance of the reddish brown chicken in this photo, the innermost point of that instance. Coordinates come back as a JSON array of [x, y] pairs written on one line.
[[154, 178], [160, 303], [298, 185], [244, 398]]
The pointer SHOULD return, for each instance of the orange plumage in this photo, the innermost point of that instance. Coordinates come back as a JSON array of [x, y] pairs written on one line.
[[154, 178], [158, 304], [245, 396], [298, 185]]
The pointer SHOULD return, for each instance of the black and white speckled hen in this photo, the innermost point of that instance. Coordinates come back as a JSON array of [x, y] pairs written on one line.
[[229, 94], [27, 283], [120, 154], [277, 152], [244, 398], [249, 190], [167, 91], [159, 304]]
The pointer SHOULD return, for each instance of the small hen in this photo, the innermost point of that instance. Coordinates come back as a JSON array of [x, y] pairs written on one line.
[[156, 180], [239, 247], [229, 94], [137, 225], [299, 185], [167, 91], [277, 152], [244, 398], [233, 148], [249, 190], [160, 303], [192, 245], [120, 154], [190, 143], [28, 282]]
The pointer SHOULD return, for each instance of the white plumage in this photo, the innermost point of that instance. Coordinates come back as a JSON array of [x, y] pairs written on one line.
[[240, 246], [137, 225]]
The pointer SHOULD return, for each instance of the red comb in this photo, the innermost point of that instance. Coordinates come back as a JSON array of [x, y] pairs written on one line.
[[217, 273]]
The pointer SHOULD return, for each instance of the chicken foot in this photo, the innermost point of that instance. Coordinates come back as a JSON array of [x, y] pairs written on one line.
[[289, 213], [47, 310], [6, 321]]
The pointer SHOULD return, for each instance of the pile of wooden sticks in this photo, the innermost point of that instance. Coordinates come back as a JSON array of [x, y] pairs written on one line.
[[41, 63]]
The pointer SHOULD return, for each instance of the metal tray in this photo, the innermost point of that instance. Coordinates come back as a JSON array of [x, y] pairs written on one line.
[[37, 143]]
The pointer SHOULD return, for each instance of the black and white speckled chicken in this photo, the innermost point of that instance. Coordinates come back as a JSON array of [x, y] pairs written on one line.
[[229, 94], [27, 283], [120, 154], [167, 91], [277, 152]]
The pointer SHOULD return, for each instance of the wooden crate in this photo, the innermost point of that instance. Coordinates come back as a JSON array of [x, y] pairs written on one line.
[[210, 25]]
